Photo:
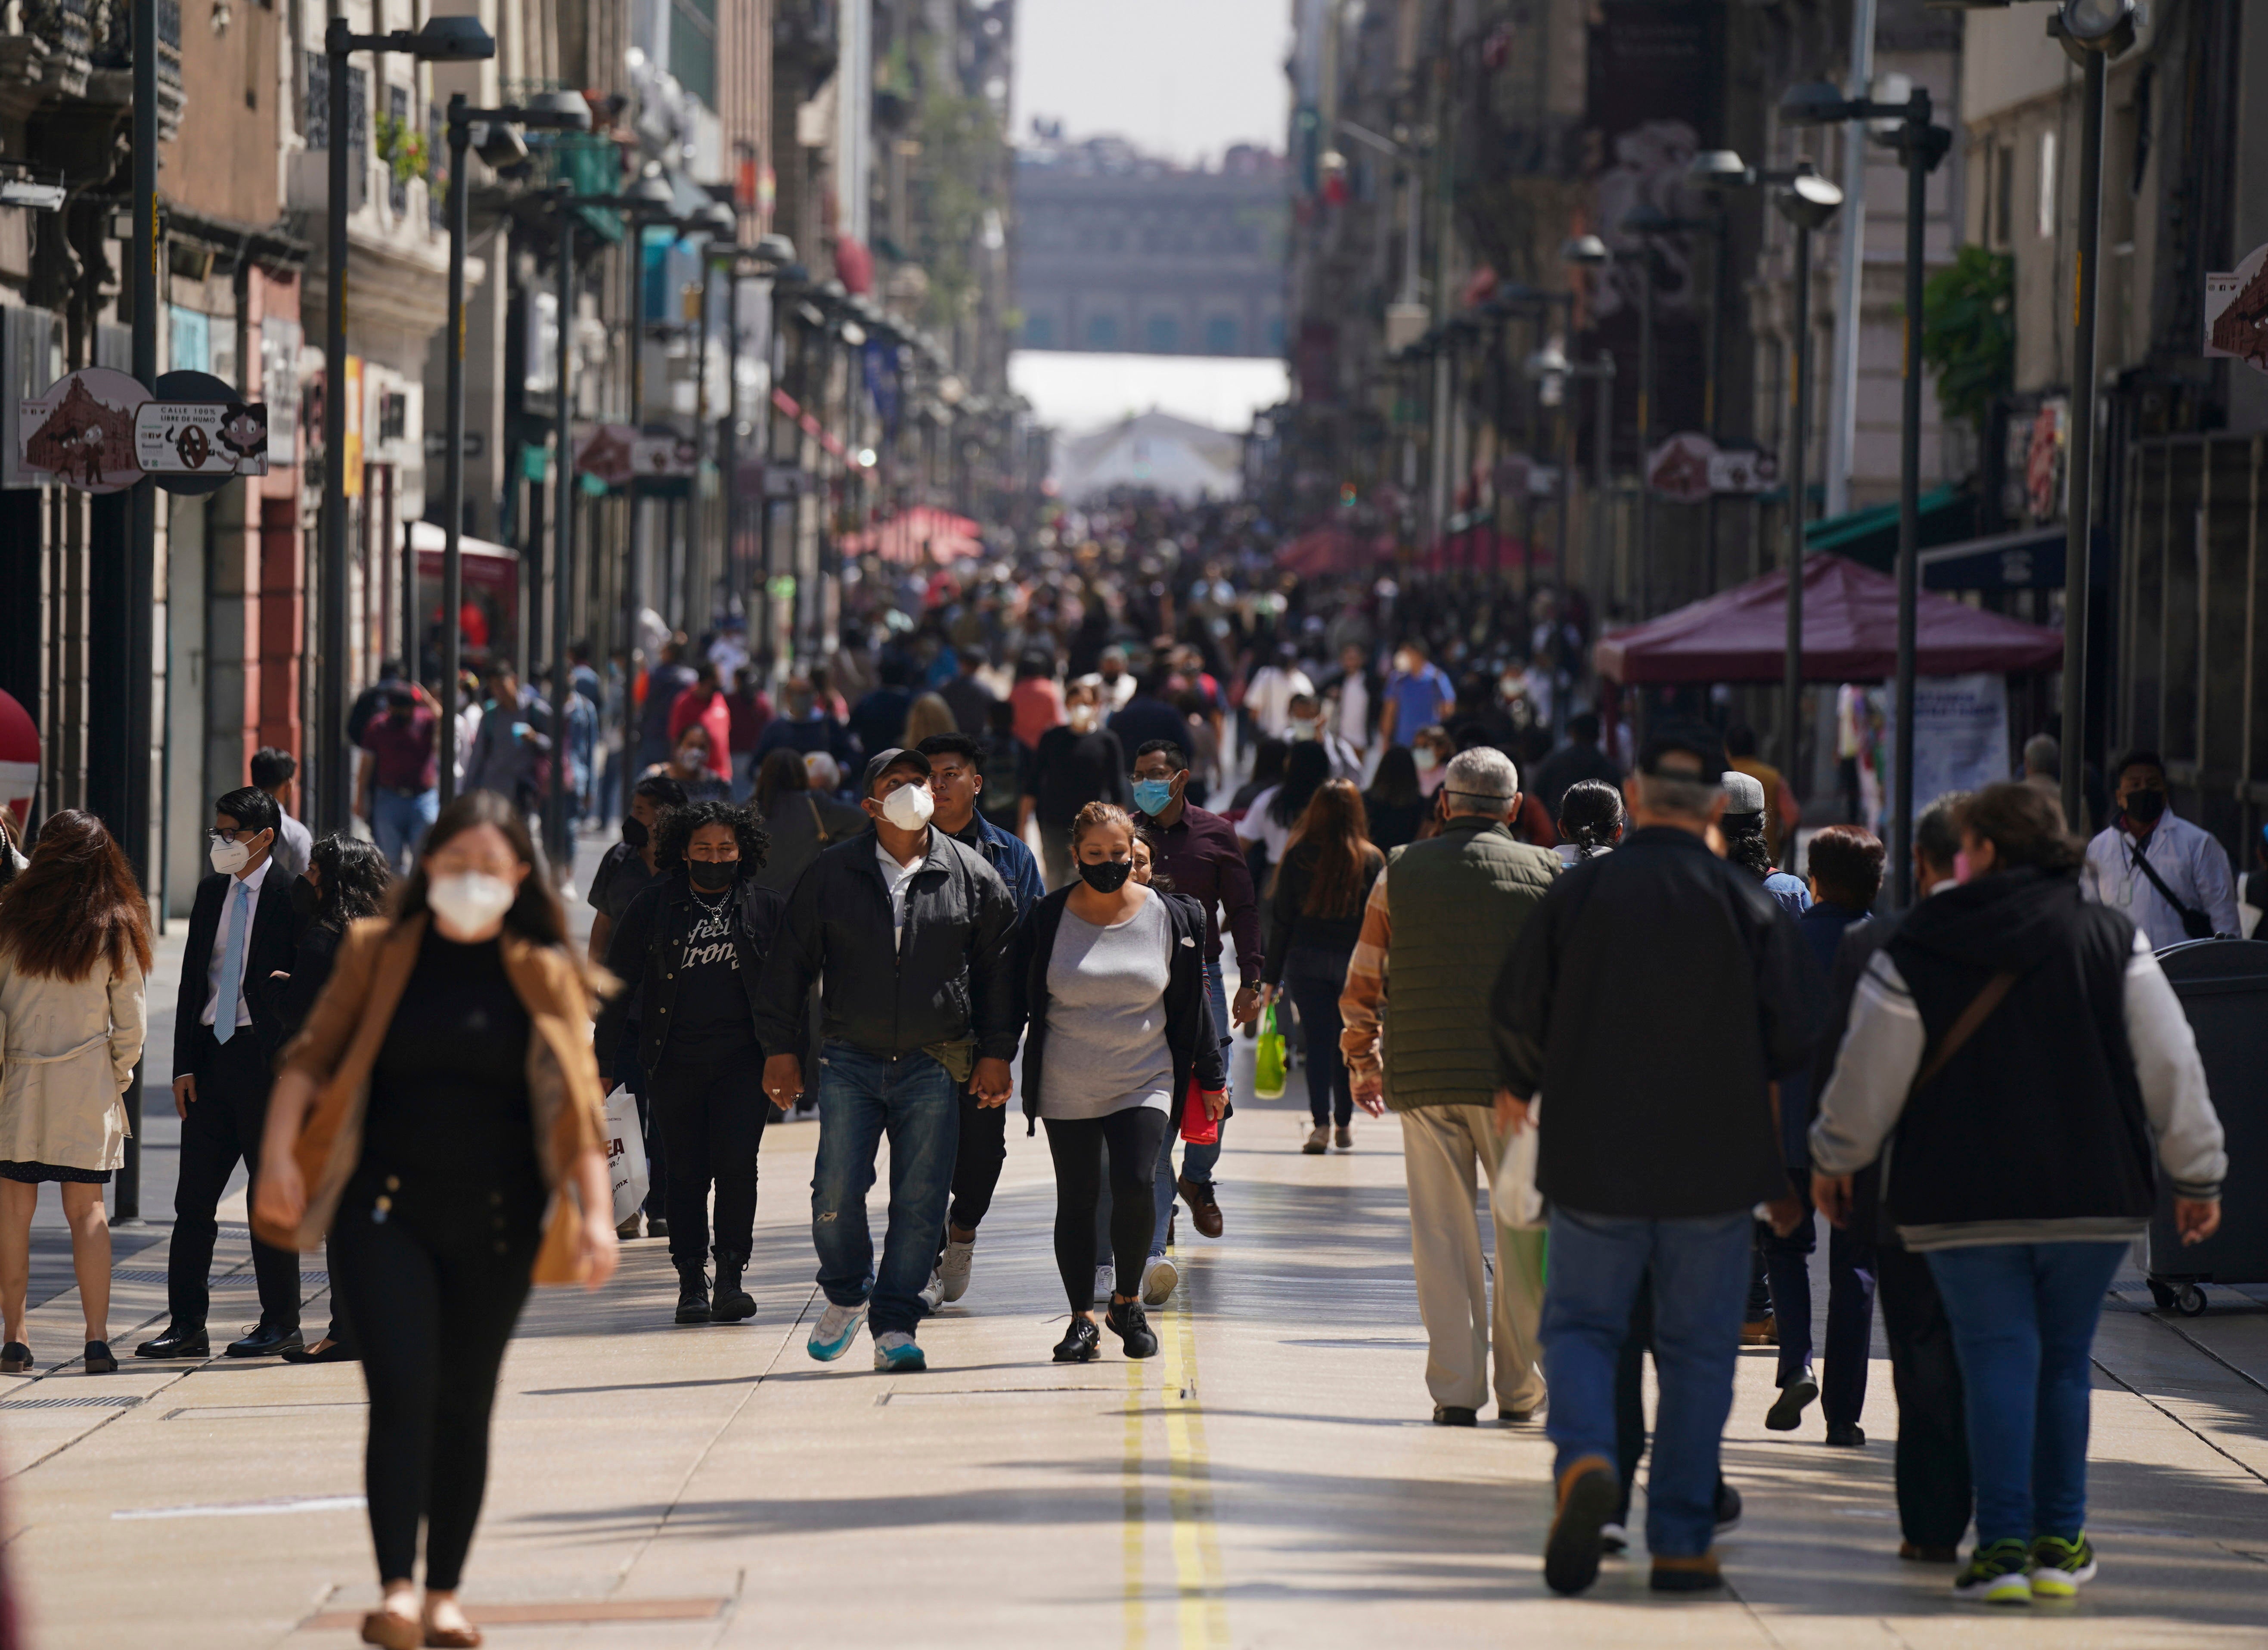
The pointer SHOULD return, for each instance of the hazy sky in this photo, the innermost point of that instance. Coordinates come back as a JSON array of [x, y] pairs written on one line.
[[1184, 78]]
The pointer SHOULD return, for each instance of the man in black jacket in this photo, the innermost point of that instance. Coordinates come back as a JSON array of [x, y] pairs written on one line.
[[226, 1034], [1654, 1148], [907, 932]]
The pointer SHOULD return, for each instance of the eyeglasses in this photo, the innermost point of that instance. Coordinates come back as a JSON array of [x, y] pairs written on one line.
[[235, 836]]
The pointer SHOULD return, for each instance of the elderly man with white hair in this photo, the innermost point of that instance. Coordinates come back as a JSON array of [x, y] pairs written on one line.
[[1441, 920]]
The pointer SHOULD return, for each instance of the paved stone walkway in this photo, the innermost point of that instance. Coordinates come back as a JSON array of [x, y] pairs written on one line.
[[1270, 1479]]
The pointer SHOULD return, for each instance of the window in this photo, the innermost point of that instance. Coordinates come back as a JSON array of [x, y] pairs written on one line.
[[393, 415], [1102, 332], [693, 47], [2003, 161], [319, 105], [1162, 335], [2047, 186], [401, 135], [1040, 332], [1220, 336]]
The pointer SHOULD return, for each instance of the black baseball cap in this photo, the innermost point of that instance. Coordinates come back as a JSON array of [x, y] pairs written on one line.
[[897, 756], [1695, 739]]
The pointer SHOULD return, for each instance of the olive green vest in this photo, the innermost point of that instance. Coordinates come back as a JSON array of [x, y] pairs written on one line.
[[1456, 902]]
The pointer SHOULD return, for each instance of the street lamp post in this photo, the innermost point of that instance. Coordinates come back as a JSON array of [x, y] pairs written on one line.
[[1808, 201], [563, 552], [500, 145], [441, 40], [1590, 252], [1551, 368], [1920, 146]]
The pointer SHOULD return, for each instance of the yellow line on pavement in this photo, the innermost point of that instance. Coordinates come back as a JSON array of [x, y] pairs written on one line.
[[1136, 1493], [1202, 1618]]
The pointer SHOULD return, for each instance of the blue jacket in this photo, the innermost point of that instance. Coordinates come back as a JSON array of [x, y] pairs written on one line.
[[1821, 926], [1010, 857]]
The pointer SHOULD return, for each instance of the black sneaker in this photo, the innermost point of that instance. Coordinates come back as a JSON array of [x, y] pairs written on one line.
[[1082, 1343], [692, 1295], [1845, 1434], [1996, 1574], [1454, 1415], [1132, 1325], [730, 1303]]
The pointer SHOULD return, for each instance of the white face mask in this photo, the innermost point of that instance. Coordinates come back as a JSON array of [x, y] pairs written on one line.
[[1305, 728], [1427, 758], [909, 807], [470, 900], [228, 859], [1083, 718], [1406, 663]]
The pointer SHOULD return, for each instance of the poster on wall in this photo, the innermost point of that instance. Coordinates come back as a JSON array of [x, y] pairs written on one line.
[[1960, 738]]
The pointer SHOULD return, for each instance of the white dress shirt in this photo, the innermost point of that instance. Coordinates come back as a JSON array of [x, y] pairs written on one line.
[[247, 889], [896, 877]]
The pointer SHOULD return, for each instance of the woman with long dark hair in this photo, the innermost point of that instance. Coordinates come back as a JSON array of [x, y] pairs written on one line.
[[1315, 917], [442, 1097], [1110, 982], [74, 955], [1590, 820], [1394, 806], [351, 881], [690, 949], [1273, 813]]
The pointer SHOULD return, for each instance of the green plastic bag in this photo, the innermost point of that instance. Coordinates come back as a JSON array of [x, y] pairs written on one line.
[[1267, 1063]]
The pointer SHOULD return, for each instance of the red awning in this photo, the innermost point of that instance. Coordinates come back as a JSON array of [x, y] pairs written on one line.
[[1850, 634], [923, 533], [1483, 549], [1321, 552]]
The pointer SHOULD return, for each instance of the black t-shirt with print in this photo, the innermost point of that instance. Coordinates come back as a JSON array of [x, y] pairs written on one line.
[[713, 1022]]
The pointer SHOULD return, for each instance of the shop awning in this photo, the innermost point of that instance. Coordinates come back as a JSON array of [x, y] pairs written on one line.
[[1850, 634], [1322, 552], [921, 534], [1870, 536]]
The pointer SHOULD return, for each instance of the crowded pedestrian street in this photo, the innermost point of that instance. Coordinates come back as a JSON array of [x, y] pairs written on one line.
[[1270, 1479]]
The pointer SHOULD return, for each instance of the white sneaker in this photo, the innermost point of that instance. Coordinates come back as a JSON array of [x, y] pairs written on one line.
[[1157, 1280], [953, 1270], [836, 1329], [1106, 1283], [933, 1293], [896, 1349]]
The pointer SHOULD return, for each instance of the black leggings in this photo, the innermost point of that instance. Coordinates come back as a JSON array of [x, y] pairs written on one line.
[[432, 1304], [1134, 1137], [711, 1116], [1331, 1090]]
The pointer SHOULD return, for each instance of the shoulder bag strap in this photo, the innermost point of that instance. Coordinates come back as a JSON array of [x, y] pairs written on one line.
[[1979, 1010], [817, 824], [2189, 915]]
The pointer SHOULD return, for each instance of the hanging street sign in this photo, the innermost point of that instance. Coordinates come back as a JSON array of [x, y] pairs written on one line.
[[202, 438], [80, 431], [2236, 311]]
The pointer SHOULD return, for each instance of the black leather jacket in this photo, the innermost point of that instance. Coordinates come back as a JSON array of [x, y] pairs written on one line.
[[949, 982], [642, 952]]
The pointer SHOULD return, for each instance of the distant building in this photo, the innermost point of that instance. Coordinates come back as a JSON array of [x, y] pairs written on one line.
[[1120, 252], [1151, 451]]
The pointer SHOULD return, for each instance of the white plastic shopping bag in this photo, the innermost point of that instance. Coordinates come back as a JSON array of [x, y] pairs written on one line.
[[625, 1154], [1513, 1196]]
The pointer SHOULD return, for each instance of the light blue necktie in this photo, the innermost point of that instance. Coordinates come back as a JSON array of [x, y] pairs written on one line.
[[232, 968]]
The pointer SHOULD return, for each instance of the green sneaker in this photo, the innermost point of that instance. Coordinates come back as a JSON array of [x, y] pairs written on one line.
[[1996, 1574], [2058, 1566]]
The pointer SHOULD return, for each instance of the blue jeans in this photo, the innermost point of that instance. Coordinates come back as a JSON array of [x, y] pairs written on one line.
[[2023, 1319], [862, 1097], [1197, 1162], [1700, 1280], [399, 823]]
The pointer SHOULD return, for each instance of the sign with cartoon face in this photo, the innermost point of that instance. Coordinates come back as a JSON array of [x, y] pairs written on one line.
[[202, 438]]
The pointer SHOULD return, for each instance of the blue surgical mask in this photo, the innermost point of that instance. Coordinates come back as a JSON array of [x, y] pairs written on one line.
[[1153, 797]]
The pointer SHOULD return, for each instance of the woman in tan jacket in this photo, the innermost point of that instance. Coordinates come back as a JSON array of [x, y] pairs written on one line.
[[74, 952], [441, 1099]]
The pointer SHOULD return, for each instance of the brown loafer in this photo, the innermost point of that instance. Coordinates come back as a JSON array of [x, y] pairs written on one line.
[[1203, 1209], [454, 1638], [390, 1630]]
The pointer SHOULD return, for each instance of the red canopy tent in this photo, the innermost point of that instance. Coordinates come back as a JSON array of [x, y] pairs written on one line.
[[1483, 549], [1850, 634], [924, 532], [1323, 551]]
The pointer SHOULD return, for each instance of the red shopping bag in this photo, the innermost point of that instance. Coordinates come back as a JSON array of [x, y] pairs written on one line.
[[1199, 1127]]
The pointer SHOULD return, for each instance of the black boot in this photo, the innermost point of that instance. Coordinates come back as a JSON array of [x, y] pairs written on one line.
[[732, 1303], [692, 1294]]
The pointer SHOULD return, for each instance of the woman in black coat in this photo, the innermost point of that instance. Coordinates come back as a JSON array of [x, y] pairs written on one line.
[[690, 949]]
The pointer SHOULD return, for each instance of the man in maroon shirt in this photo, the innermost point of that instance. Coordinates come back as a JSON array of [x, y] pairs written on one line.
[[401, 783], [751, 711], [1197, 854]]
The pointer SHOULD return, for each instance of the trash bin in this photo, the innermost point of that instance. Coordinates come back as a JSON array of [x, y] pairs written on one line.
[[2223, 985]]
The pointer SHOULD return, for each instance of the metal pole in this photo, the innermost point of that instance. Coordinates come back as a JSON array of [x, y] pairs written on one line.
[[1915, 137], [140, 546], [1712, 391], [728, 454], [330, 810], [452, 463], [563, 553], [698, 587], [2079, 539], [1602, 441], [1644, 430], [1798, 501], [1843, 396], [634, 573]]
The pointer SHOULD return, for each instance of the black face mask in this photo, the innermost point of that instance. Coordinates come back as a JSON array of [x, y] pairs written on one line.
[[1106, 876], [2145, 808], [712, 875], [635, 833]]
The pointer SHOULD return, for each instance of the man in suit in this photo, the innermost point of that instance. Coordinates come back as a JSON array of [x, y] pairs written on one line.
[[226, 1034]]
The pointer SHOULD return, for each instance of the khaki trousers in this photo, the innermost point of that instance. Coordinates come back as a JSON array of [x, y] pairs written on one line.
[[1440, 1145]]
